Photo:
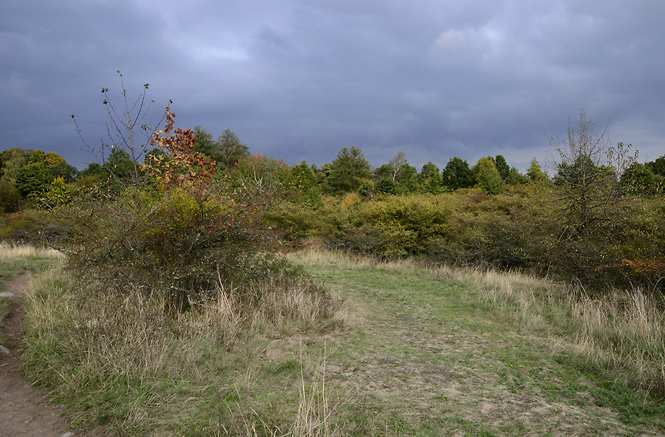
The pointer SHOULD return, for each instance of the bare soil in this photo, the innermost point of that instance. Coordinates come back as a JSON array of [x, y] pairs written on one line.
[[24, 410]]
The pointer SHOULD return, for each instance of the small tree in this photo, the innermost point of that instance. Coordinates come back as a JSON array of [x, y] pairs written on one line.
[[32, 179], [430, 179], [178, 234], [387, 186], [657, 167], [230, 150], [397, 163], [502, 166], [347, 170], [58, 192], [535, 172], [516, 178], [457, 174], [13, 161], [306, 182], [10, 197], [588, 172], [179, 164], [638, 178], [123, 128], [58, 167], [204, 142], [487, 176]]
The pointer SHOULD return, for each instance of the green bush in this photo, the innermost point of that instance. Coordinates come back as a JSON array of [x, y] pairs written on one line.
[[10, 198], [393, 226], [31, 226], [523, 227], [169, 239]]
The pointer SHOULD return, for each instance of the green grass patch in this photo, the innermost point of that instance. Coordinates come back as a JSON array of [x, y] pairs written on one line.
[[411, 351]]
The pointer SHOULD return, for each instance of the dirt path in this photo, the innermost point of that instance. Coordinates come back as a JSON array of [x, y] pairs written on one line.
[[23, 409]]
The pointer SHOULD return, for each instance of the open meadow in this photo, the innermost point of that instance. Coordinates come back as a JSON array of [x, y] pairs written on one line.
[[407, 349]]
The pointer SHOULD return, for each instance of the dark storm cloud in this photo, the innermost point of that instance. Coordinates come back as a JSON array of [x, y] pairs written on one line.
[[301, 79]]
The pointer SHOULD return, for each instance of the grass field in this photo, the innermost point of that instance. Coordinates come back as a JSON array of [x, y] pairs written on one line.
[[411, 350]]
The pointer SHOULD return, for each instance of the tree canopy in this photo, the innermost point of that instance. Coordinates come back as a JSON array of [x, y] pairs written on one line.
[[348, 169], [457, 174]]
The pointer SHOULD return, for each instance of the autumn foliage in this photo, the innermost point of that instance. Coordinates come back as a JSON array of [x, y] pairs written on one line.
[[179, 165]]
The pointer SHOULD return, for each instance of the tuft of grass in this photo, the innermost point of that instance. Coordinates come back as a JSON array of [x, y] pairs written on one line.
[[11, 252], [314, 410]]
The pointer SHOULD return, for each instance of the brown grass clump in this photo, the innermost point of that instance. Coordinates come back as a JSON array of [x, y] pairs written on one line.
[[122, 345], [9, 251]]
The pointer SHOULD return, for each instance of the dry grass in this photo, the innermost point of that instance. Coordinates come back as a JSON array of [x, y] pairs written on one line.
[[314, 409], [8, 251], [313, 254], [104, 344], [621, 333], [624, 331]]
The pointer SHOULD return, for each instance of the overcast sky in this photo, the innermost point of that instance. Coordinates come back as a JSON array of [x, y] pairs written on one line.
[[300, 79]]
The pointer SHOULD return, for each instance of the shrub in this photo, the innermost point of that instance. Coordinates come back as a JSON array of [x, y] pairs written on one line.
[[180, 235], [394, 226], [387, 186], [32, 227], [10, 197]]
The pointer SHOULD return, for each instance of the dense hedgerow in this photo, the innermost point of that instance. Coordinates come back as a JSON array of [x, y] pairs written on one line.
[[524, 228]]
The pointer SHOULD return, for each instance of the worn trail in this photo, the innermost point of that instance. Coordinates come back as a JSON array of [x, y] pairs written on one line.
[[23, 408]]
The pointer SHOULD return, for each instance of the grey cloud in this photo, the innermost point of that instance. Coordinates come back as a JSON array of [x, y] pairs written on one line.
[[300, 79]]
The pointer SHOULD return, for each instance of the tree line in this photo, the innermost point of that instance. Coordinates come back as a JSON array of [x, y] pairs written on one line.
[[28, 175], [600, 212]]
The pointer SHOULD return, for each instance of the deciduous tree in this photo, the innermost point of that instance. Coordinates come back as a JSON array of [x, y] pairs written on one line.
[[13, 161], [638, 178], [588, 171], [32, 179], [396, 164], [430, 179], [457, 174], [487, 176], [128, 129]]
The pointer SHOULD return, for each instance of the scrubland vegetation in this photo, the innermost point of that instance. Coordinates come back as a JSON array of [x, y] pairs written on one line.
[[407, 302]]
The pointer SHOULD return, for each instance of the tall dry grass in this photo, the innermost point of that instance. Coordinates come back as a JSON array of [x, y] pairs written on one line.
[[625, 332], [96, 343], [314, 407], [123, 332], [10, 251], [621, 333]]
